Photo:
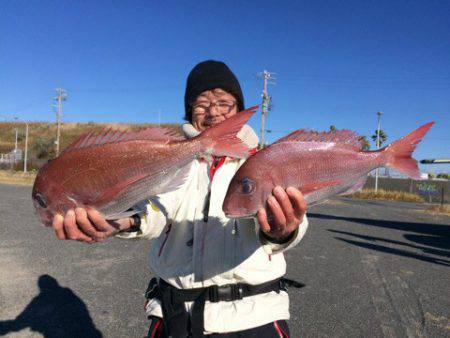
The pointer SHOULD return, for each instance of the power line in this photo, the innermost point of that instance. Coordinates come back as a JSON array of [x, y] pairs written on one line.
[[436, 161], [368, 82]]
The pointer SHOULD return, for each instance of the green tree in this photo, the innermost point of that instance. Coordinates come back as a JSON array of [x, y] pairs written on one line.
[[332, 127], [443, 175], [383, 137], [44, 147], [431, 176]]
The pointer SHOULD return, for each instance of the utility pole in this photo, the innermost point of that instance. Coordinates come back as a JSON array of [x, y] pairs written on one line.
[[378, 147], [62, 96], [266, 75], [26, 149]]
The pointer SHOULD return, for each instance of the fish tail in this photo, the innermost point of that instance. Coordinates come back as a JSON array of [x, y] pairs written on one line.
[[399, 153], [221, 139]]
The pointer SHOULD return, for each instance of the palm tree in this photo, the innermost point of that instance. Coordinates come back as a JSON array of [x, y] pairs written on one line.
[[383, 137]]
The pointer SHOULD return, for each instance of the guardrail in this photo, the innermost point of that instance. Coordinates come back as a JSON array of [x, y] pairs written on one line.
[[11, 157], [6, 158]]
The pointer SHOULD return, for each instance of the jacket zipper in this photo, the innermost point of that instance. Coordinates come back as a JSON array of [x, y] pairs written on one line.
[[169, 227]]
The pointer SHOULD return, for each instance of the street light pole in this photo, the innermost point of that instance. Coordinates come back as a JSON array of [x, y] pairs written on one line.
[[378, 147]]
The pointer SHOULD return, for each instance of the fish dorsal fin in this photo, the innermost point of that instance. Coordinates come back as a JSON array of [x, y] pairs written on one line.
[[92, 138], [343, 137]]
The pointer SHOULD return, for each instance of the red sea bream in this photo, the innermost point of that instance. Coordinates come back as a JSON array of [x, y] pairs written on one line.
[[320, 165], [115, 170]]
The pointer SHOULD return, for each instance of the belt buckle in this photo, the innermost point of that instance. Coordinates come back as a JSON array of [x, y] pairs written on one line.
[[283, 285], [227, 293]]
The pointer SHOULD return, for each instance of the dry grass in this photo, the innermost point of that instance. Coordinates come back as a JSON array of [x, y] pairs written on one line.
[[386, 195], [70, 131], [439, 209], [16, 178]]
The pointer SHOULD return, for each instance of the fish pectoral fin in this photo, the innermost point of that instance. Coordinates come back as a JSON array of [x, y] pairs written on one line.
[[178, 179], [311, 187], [117, 189], [118, 199]]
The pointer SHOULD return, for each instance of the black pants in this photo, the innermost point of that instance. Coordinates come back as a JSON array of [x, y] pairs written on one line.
[[278, 329]]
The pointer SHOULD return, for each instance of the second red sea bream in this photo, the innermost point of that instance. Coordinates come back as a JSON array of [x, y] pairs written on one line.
[[320, 165]]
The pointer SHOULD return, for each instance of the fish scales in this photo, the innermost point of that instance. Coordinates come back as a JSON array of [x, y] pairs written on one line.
[[325, 163]]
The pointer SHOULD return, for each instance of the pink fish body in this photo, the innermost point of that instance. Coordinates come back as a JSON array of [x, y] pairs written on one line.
[[320, 165], [115, 170]]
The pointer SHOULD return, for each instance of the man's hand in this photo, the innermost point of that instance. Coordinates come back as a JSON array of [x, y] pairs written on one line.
[[286, 209], [87, 225]]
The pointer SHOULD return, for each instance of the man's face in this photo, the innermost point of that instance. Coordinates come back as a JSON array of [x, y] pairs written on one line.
[[212, 107]]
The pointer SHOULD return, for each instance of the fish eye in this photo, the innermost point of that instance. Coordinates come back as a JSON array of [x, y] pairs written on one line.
[[248, 186], [41, 200]]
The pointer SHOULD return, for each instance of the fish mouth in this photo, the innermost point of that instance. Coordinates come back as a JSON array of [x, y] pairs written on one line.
[[241, 216]]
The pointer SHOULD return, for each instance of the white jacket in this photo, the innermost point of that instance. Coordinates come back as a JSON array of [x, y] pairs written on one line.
[[188, 252]]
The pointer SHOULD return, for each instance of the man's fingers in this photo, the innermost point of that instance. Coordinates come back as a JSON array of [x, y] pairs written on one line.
[[58, 226], [99, 222], [285, 204], [86, 226], [298, 201], [262, 220], [71, 229], [277, 212]]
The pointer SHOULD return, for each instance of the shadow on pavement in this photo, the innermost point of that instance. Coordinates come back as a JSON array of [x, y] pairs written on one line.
[[55, 312], [392, 241], [420, 228], [396, 252], [433, 239], [391, 250]]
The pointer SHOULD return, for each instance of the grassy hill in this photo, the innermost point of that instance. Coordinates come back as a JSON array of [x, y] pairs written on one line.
[[42, 136]]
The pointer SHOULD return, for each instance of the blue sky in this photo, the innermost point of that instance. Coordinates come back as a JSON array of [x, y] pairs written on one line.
[[337, 62]]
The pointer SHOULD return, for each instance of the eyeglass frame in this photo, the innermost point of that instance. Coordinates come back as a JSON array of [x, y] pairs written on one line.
[[213, 104]]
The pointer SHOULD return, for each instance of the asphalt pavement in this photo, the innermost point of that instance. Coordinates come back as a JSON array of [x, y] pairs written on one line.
[[371, 269]]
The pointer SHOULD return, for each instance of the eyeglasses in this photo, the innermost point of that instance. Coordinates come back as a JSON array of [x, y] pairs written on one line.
[[223, 107]]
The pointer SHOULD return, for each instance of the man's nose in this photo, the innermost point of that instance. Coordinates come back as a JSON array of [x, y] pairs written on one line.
[[213, 110]]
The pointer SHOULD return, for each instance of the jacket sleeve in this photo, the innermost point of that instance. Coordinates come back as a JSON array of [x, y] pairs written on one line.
[[274, 248], [154, 214]]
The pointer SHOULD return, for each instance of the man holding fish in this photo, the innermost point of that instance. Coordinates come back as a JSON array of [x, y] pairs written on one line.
[[216, 275]]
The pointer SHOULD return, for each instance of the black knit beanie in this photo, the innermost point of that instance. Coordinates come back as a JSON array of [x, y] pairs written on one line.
[[208, 75]]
